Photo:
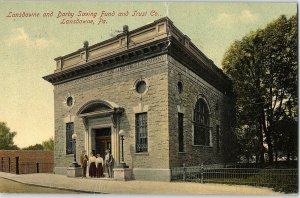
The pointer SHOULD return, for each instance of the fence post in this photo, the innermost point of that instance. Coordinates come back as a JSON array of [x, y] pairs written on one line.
[[202, 172], [17, 165], [37, 167], [2, 164], [9, 164], [184, 172]]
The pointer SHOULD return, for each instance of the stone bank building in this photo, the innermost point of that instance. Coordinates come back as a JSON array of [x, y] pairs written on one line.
[[152, 82]]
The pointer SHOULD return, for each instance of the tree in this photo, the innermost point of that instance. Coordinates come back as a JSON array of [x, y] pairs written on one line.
[[230, 147], [34, 147], [48, 144], [285, 137], [263, 67], [6, 138]]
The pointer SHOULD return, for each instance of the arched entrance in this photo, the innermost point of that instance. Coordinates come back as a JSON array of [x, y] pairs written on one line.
[[101, 121]]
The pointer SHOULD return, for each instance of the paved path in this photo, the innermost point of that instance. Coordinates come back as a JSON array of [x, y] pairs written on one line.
[[134, 187], [9, 186]]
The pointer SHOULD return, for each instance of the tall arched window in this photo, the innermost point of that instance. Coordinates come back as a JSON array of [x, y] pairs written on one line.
[[201, 123]]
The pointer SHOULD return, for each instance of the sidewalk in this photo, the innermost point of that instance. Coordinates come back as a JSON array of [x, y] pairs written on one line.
[[134, 187]]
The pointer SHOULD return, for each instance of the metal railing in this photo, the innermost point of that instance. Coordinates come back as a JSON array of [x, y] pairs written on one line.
[[14, 165], [7, 164], [245, 176], [31, 167]]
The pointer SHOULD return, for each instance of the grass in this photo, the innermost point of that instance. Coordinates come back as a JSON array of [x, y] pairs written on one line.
[[277, 176], [278, 181]]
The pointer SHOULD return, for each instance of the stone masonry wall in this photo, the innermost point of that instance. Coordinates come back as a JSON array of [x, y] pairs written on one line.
[[193, 88], [117, 86]]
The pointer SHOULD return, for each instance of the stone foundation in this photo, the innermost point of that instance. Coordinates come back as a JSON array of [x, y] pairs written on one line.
[[74, 172], [152, 174], [123, 174], [60, 170]]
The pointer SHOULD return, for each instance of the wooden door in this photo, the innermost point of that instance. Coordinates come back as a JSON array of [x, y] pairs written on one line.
[[103, 141]]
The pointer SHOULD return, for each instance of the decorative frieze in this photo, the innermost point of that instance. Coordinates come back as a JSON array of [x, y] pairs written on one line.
[[123, 69]]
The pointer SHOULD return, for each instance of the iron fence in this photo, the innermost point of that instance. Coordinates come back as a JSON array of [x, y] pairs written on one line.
[[14, 165], [7, 164], [245, 176]]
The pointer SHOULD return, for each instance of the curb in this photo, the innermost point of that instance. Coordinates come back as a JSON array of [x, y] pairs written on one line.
[[54, 187]]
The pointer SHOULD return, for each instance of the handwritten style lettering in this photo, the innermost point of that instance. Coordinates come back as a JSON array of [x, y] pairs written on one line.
[[100, 17], [87, 14], [76, 21], [65, 14], [104, 13], [138, 13], [23, 14]]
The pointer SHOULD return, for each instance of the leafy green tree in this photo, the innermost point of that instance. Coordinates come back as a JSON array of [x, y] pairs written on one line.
[[263, 67], [7, 138], [48, 144], [249, 141], [34, 147], [240, 63], [285, 137], [229, 146]]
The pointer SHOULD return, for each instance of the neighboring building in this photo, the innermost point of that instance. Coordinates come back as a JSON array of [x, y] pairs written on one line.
[[29, 161], [171, 100]]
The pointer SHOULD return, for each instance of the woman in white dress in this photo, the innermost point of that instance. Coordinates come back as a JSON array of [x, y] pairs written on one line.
[[92, 165], [99, 166]]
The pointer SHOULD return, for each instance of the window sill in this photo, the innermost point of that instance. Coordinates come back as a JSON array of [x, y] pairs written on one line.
[[142, 153], [203, 146], [182, 153]]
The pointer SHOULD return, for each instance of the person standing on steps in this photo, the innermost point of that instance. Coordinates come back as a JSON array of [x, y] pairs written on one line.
[[108, 163], [82, 163], [99, 166], [92, 165]]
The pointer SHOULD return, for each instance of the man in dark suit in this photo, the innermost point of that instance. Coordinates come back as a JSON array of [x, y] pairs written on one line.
[[108, 163]]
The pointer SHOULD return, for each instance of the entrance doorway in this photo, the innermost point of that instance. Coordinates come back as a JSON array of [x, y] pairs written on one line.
[[102, 140]]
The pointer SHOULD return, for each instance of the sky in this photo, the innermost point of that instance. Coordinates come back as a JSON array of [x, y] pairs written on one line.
[[30, 44]]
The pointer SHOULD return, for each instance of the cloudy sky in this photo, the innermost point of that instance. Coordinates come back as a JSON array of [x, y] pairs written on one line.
[[29, 45]]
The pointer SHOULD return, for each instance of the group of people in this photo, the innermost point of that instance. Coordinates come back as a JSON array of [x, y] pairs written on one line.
[[95, 165]]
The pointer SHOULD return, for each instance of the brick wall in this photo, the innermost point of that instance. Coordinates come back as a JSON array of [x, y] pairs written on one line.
[[27, 161]]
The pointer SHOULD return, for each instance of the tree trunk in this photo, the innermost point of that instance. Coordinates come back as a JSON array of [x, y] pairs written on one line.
[[257, 158], [261, 141], [270, 147], [268, 136]]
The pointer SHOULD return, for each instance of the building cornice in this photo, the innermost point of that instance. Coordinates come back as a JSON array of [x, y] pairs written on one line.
[[151, 40], [213, 76], [117, 60]]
